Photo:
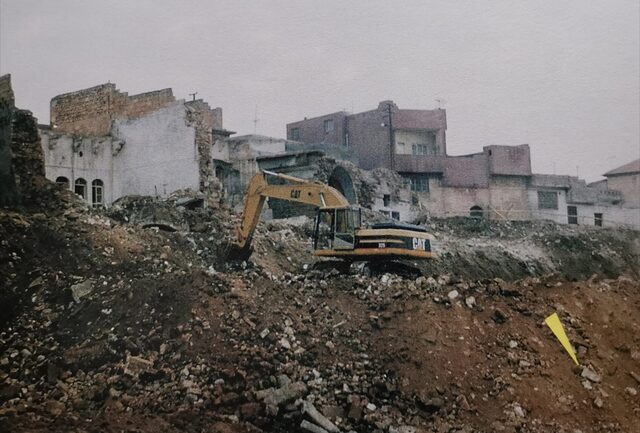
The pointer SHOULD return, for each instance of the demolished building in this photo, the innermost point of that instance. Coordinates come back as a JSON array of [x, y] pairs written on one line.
[[239, 158], [104, 144]]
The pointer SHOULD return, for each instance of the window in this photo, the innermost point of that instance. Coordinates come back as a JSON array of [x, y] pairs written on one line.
[[97, 193], [597, 219], [572, 213], [420, 149], [547, 200], [395, 215], [419, 183], [63, 182], [295, 134], [476, 212], [386, 200], [328, 125], [81, 188]]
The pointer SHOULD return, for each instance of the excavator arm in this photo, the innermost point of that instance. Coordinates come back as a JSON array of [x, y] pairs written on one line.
[[297, 190]]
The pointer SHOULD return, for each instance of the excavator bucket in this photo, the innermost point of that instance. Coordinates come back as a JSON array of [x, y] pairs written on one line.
[[236, 253]]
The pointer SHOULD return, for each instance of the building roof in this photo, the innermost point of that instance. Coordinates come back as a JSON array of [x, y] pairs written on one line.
[[630, 168], [290, 154], [258, 137]]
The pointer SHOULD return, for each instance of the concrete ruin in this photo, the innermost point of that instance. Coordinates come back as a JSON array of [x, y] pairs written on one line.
[[21, 160], [8, 192], [104, 144]]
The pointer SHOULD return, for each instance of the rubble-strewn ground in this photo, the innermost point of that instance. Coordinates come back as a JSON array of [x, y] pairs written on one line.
[[107, 326]]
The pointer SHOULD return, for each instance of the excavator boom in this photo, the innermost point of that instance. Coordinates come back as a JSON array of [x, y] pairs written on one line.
[[298, 191]]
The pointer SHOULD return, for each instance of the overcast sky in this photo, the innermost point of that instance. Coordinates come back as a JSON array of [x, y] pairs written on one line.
[[562, 76]]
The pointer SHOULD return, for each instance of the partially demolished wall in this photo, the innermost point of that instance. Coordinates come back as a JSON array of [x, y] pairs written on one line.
[[91, 111], [204, 119], [8, 191], [28, 158], [380, 190], [21, 158]]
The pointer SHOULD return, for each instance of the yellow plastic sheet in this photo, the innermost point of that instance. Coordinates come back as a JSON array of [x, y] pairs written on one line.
[[553, 322]]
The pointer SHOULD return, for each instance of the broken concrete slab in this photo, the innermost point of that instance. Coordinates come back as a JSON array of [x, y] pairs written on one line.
[[318, 418], [80, 290], [282, 395], [591, 375]]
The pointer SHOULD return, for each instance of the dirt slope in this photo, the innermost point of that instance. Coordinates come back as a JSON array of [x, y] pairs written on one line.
[[108, 326]]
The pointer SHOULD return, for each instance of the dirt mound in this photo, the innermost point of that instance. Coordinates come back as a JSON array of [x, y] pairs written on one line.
[[131, 320]]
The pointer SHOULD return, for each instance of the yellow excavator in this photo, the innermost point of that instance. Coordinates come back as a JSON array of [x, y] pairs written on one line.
[[338, 229]]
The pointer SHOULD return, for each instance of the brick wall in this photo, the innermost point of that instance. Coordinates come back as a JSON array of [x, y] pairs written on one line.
[[370, 138], [509, 160], [90, 111], [469, 171], [312, 131]]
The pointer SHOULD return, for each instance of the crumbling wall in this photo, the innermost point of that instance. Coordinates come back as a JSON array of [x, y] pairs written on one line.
[[365, 191], [371, 187], [28, 158], [204, 120], [91, 111], [21, 157], [8, 191]]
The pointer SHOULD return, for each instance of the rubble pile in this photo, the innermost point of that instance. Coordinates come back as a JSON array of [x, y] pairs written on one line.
[[481, 248], [131, 319]]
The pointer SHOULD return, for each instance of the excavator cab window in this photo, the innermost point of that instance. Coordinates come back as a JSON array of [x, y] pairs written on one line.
[[323, 239], [335, 228]]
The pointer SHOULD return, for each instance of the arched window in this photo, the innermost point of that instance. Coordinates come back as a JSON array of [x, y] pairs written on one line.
[[476, 212], [63, 182], [97, 193], [81, 188]]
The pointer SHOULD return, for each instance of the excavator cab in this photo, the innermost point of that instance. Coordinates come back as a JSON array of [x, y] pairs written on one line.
[[335, 228]]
